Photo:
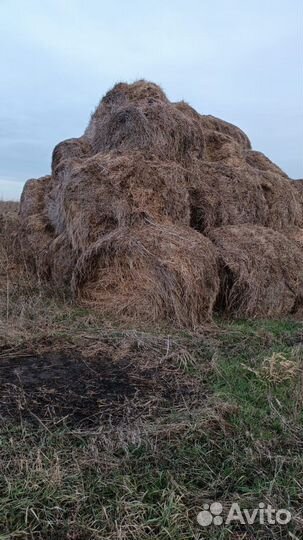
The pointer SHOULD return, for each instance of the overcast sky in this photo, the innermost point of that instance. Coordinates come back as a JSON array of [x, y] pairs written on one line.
[[239, 60]]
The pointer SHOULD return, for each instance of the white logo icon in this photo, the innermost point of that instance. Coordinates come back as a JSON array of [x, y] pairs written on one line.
[[210, 514]]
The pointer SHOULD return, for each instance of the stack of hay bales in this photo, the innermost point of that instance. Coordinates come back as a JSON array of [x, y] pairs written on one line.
[[158, 213]]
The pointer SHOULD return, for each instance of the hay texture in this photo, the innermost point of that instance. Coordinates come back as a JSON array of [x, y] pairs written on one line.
[[137, 209], [261, 271], [110, 191], [145, 122], [221, 195], [49, 254], [152, 274]]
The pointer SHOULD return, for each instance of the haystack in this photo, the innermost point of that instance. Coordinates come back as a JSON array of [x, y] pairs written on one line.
[[150, 273], [111, 191], [123, 219], [261, 271]]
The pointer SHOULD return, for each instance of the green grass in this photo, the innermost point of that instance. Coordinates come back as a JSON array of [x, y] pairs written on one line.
[[150, 478]]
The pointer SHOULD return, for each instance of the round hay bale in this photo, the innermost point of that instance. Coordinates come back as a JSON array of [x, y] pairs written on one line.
[[36, 230], [33, 196], [71, 148], [261, 271], [284, 207], [216, 124], [226, 195], [223, 195], [123, 93], [157, 127], [262, 163], [109, 191], [150, 274]]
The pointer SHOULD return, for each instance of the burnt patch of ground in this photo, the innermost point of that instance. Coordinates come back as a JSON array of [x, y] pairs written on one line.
[[85, 391]]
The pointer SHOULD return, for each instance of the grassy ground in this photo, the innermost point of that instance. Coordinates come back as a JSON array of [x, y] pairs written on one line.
[[212, 416]]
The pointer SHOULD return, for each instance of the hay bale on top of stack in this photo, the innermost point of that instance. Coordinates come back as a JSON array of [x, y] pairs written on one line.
[[130, 204]]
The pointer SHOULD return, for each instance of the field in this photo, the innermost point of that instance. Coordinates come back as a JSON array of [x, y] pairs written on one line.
[[110, 432]]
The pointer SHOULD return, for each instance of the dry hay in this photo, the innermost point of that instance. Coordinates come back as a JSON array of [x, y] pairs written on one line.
[[123, 93], [69, 149], [224, 195], [36, 232], [262, 163], [49, 255], [10, 249], [295, 234], [222, 148], [298, 184], [57, 262], [223, 141], [284, 208], [110, 191], [298, 188], [150, 274], [9, 225], [33, 196], [261, 271], [124, 199], [152, 124], [212, 123]]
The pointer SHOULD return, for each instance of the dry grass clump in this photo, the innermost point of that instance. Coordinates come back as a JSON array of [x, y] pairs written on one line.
[[150, 274], [111, 191], [261, 271]]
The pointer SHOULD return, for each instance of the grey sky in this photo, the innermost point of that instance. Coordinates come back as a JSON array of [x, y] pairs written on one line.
[[239, 60]]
